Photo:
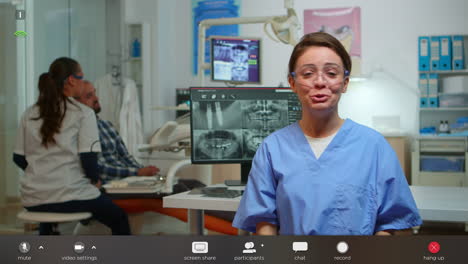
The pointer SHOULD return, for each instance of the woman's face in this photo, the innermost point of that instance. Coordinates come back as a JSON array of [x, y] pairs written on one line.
[[319, 79]]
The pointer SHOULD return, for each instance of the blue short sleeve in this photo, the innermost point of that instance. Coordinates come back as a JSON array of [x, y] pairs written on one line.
[[396, 206], [258, 203]]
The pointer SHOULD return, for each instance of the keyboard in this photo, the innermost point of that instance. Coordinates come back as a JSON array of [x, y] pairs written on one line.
[[220, 192]]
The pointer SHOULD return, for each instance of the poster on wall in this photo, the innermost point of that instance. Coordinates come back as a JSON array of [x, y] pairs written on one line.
[[342, 23], [211, 9]]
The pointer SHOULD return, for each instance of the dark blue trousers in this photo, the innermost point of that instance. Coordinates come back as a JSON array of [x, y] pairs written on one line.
[[102, 208]]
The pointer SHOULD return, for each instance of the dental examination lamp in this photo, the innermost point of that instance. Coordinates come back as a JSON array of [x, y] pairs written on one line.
[[284, 27]]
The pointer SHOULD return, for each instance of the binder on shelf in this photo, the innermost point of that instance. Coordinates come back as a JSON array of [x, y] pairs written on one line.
[[424, 54], [433, 90], [458, 56], [435, 53], [423, 90], [445, 45], [433, 102], [423, 102], [433, 85]]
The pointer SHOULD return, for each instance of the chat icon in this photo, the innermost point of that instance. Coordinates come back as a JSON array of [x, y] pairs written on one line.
[[300, 246], [200, 247]]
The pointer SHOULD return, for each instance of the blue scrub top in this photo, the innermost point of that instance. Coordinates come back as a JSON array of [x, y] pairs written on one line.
[[356, 187]]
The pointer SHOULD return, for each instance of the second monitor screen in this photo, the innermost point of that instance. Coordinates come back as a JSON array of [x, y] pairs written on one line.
[[235, 60], [228, 124]]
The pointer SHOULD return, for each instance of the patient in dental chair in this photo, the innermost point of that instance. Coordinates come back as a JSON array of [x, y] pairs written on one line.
[[115, 162]]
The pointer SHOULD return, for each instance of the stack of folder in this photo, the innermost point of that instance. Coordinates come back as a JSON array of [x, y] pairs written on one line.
[[429, 90], [442, 53], [438, 53]]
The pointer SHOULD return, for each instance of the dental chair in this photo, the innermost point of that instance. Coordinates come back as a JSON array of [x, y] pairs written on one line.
[[167, 150]]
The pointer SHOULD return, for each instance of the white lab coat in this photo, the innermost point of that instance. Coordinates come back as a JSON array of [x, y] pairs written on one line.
[[110, 98], [130, 118], [54, 174], [121, 106]]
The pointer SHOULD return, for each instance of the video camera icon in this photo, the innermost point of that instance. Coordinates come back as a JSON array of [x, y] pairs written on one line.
[[79, 247]]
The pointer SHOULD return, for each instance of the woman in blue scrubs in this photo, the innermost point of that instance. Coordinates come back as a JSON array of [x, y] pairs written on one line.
[[325, 175]]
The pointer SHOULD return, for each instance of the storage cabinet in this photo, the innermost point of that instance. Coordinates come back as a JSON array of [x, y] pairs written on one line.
[[446, 152], [133, 51], [438, 161], [439, 158], [442, 151], [138, 66]]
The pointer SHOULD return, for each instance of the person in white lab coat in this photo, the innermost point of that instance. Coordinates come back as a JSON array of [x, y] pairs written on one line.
[[56, 146]]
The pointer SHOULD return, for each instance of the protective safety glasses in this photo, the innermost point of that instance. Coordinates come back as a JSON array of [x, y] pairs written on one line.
[[329, 73]]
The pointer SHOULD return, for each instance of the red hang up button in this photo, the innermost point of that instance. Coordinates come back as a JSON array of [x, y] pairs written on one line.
[[434, 247]]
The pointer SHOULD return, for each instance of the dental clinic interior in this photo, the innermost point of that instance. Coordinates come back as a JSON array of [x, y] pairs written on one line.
[[153, 61]]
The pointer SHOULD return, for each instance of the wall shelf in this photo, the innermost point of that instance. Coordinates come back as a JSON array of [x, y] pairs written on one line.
[[444, 109], [446, 92], [450, 72], [441, 160], [441, 179]]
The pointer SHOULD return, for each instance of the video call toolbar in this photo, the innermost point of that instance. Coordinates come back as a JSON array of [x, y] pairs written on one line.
[[234, 249]]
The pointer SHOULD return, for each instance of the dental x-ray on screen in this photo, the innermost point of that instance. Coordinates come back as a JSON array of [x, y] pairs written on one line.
[[235, 59]]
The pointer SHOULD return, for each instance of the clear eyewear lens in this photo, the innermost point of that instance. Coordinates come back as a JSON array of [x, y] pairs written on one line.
[[328, 76]]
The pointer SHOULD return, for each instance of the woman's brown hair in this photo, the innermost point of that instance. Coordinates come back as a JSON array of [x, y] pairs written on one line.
[[52, 102], [319, 39]]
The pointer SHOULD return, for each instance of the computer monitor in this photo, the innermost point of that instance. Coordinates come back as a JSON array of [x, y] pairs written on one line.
[[182, 96], [235, 59], [228, 124]]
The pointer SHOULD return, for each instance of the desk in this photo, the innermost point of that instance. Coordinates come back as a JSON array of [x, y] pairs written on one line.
[[196, 203], [445, 204]]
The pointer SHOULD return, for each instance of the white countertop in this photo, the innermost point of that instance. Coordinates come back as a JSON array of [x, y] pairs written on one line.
[[437, 203]]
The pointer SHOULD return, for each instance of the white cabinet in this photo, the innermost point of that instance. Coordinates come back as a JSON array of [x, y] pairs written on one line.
[[133, 65], [138, 67], [442, 160]]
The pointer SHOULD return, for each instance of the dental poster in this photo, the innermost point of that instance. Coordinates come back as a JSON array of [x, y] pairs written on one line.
[[344, 24]]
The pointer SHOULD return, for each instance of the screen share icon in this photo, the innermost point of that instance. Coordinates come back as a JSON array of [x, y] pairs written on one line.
[[199, 247]]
